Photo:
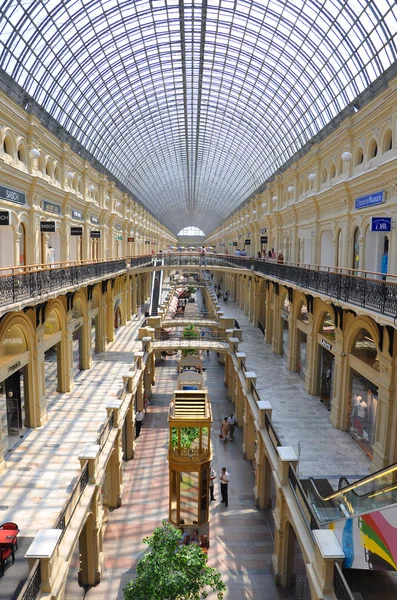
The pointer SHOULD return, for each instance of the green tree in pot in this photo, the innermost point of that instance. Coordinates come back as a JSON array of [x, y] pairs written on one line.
[[173, 572], [190, 333]]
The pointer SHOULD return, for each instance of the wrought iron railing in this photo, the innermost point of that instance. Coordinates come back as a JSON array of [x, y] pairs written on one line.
[[107, 428], [70, 506], [31, 588], [275, 440], [305, 508], [254, 393], [180, 335], [341, 587]]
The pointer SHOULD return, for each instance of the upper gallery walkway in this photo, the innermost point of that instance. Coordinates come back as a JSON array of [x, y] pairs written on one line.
[[300, 420], [42, 469], [22, 285]]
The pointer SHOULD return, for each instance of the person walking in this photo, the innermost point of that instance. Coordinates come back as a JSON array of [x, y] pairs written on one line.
[[232, 424], [224, 429], [224, 479], [138, 422], [212, 481]]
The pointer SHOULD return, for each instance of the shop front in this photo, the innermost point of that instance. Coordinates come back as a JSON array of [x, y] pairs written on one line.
[[285, 309], [52, 355], [301, 346], [363, 391], [326, 340], [14, 388]]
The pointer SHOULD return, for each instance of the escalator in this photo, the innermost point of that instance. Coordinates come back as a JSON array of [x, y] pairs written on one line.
[[157, 286], [363, 515]]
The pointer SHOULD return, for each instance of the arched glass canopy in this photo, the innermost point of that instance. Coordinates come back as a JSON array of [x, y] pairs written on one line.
[[192, 105]]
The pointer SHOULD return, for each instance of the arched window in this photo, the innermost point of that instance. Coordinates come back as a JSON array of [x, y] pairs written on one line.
[[327, 328], [8, 146], [340, 167], [338, 248], [52, 324], [191, 231], [359, 158], [57, 175], [373, 150], [365, 349], [388, 141], [303, 313], [332, 171], [14, 341], [324, 176]]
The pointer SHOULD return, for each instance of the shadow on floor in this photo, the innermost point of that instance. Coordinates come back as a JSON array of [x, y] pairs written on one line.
[[16, 574]]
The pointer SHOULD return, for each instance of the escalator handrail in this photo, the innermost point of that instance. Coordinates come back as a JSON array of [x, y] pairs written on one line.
[[353, 486]]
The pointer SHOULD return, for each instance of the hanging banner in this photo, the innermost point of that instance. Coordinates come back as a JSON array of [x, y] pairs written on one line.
[[130, 239], [263, 239], [95, 234], [247, 242], [76, 231], [234, 243], [47, 226]]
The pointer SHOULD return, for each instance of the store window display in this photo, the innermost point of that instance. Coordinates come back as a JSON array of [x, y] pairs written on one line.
[[364, 398]]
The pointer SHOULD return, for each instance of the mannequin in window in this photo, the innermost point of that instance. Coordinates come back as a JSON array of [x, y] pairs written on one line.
[[50, 255]]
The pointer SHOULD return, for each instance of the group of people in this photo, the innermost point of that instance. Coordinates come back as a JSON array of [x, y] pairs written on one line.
[[271, 256], [226, 294], [228, 426], [193, 539], [224, 479], [239, 252]]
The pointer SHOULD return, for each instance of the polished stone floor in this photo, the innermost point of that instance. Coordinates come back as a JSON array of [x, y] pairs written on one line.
[[301, 420]]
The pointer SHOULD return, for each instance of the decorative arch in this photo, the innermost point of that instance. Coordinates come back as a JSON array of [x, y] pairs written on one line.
[[332, 171], [58, 307], [9, 143], [352, 331], [324, 176], [49, 168], [22, 151], [372, 149]]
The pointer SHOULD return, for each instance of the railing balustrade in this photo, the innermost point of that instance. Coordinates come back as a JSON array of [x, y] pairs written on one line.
[[341, 587], [31, 588], [304, 505], [70, 506]]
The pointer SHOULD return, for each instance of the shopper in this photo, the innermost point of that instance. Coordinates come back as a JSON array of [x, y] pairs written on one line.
[[224, 429], [232, 424], [224, 479], [212, 481], [138, 422]]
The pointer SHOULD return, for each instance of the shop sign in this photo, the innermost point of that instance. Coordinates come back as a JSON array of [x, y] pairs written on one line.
[[47, 226], [284, 315], [263, 239], [95, 234], [130, 239], [247, 242], [76, 214], [12, 195], [4, 217], [119, 238], [76, 231], [381, 224], [94, 220], [370, 200], [325, 344], [231, 243], [14, 367], [52, 207], [234, 243]]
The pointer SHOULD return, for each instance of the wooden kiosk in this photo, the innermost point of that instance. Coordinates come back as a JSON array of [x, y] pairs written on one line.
[[189, 456]]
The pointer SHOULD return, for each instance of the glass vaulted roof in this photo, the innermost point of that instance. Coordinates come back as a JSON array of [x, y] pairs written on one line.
[[193, 105]]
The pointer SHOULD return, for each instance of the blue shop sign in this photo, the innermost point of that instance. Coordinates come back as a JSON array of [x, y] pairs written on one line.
[[370, 200], [381, 224], [12, 195]]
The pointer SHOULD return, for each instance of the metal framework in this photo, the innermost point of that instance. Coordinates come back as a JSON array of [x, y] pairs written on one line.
[[193, 105]]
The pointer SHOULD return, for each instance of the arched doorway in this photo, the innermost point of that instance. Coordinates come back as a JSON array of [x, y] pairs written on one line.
[[7, 246], [14, 386], [117, 315], [338, 258], [302, 332], [356, 249], [294, 576], [94, 317], [22, 244], [326, 359], [77, 336], [327, 249], [284, 314]]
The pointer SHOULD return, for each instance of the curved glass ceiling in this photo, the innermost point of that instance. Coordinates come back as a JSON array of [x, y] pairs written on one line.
[[192, 105]]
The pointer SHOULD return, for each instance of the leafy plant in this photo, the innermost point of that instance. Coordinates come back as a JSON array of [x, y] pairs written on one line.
[[190, 333], [173, 572], [188, 435]]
